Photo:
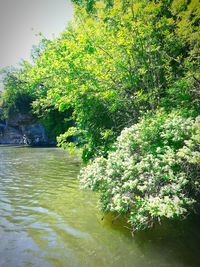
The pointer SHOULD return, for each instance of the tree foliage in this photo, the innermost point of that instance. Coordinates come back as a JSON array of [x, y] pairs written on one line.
[[112, 65], [17, 95]]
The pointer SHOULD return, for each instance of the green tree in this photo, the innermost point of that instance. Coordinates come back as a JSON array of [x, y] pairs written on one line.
[[112, 65], [17, 95]]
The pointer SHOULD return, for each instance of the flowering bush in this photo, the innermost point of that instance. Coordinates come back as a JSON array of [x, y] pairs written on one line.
[[152, 173]]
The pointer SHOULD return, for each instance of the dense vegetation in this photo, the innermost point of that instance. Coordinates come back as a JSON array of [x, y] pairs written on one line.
[[122, 83], [153, 172]]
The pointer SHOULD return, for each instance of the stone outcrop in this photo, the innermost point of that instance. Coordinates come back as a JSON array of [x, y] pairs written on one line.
[[23, 129]]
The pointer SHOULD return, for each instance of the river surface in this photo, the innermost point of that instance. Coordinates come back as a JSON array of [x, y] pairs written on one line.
[[47, 220]]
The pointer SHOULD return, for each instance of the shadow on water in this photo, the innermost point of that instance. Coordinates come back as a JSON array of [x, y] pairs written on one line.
[[28, 146], [13, 146], [177, 242]]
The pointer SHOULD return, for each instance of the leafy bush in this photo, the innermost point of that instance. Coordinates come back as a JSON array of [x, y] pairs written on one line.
[[153, 173]]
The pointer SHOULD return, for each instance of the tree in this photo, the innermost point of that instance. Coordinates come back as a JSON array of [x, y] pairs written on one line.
[[112, 65]]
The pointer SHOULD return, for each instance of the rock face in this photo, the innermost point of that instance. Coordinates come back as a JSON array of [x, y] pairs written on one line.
[[23, 129]]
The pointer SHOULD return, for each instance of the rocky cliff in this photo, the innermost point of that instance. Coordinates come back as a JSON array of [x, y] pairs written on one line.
[[23, 129]]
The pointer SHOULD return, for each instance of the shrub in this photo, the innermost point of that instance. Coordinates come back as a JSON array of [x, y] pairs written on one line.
[[152, 174]]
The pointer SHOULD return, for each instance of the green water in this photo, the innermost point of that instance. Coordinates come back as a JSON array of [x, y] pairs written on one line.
[[47, 220]]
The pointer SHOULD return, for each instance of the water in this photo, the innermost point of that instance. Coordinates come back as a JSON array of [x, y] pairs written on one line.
[[47, 220]]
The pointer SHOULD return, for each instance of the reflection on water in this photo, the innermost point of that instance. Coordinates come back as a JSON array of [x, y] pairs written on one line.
[[46, 220]]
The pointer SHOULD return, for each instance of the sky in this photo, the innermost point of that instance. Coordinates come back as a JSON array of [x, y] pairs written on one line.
[[21, 20]]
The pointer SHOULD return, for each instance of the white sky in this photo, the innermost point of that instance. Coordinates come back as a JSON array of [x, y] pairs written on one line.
[[21, 20]]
